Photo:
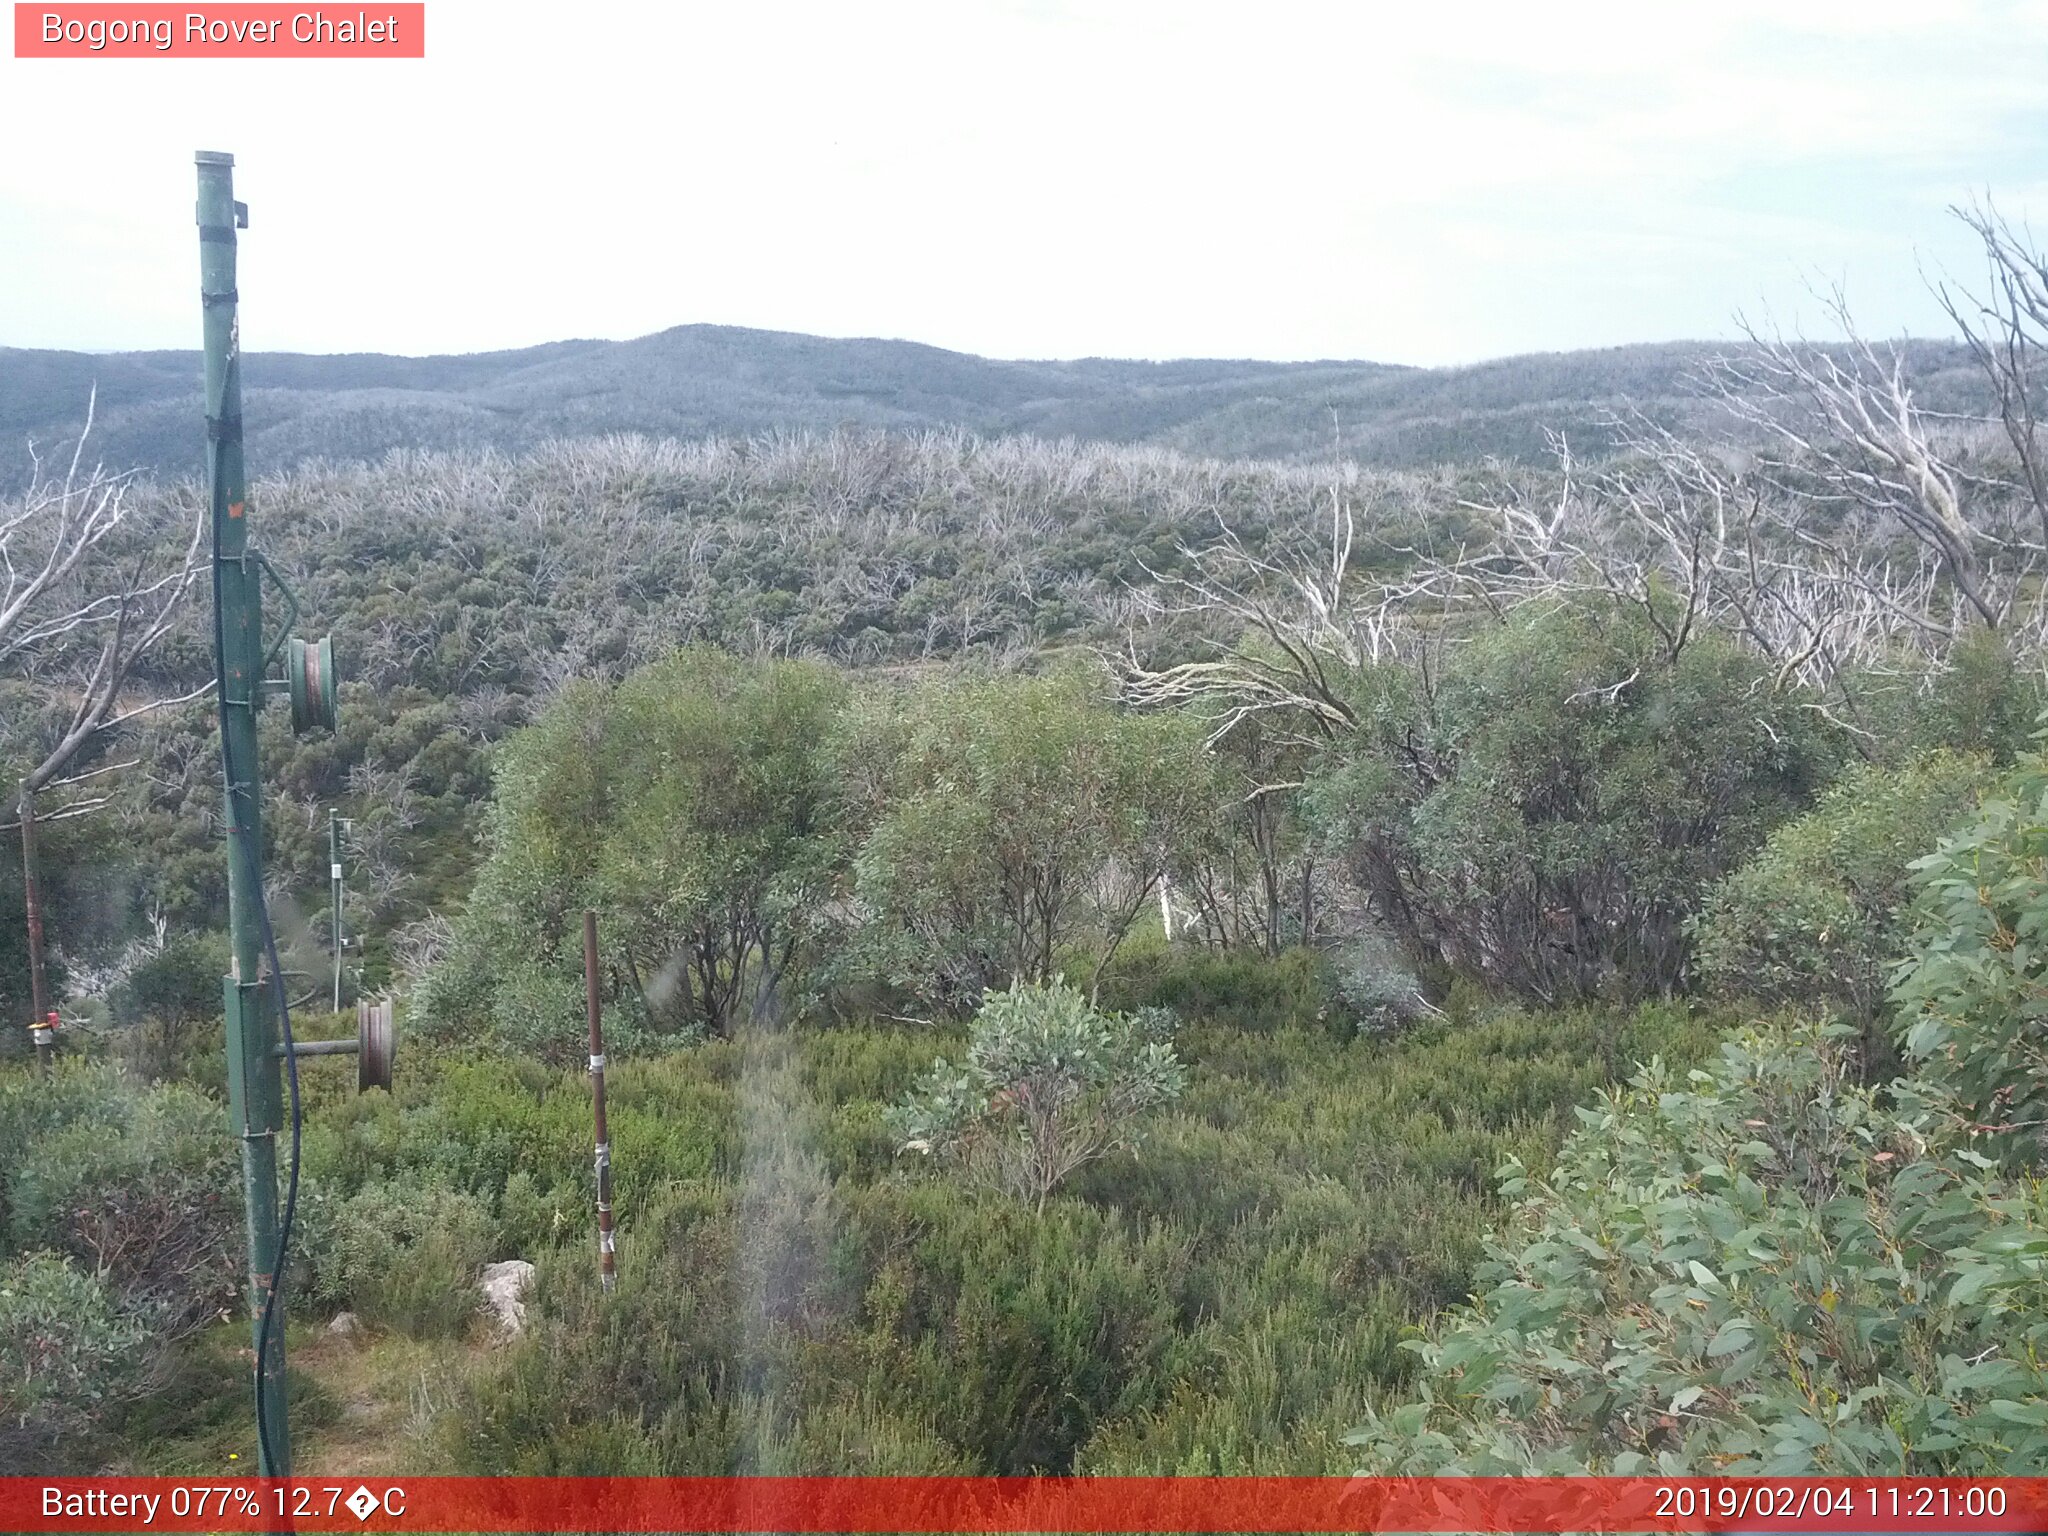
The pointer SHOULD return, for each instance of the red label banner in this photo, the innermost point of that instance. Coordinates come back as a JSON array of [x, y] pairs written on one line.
[[232, 31], [1935, 1506]]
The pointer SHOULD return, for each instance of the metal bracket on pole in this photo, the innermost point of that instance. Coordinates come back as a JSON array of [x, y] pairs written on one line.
[[375, 1046], [291, 606]]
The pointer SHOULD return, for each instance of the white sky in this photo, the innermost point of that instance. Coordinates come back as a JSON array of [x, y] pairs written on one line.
[[1408, 183]]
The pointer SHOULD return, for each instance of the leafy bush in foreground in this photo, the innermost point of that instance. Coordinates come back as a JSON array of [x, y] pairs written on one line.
[[33, 1108], [137, 1182], [67, 1353], [689, 805], [1974, 990], [1762, 1268]]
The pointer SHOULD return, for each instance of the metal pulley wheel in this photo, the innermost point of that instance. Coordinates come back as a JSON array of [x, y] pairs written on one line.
[[376, 1045], [309, 672]]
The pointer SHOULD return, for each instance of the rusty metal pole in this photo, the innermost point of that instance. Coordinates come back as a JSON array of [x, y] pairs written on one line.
[[594, 1012], [32, 895], [334, 826]]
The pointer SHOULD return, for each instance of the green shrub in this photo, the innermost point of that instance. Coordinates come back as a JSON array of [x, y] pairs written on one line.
[[474, 1123], [531, 1217], [68, 1354], [691, 806], [34, 1108], [1048, 1085], [1004, 819], [141, 1184], [1380, 989], [168, 1001], [1973, 989], [1023, 1334], [1235, 989], [1816, 918], [1547, 812], [1981, 701], [1760, 1268], [402, 1256], [858, 1437], [1272, 1401]]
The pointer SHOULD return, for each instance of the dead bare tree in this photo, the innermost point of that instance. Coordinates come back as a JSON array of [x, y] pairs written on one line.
[[2005, 326], [1843, 431], [1771, 547], [1842, 528], [1303, 621], [1287, 629], [90, 590]]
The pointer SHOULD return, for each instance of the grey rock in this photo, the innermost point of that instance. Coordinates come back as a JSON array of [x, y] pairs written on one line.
[[504, 1285]]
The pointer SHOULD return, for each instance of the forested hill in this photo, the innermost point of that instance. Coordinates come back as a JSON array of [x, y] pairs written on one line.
[[703, 380]]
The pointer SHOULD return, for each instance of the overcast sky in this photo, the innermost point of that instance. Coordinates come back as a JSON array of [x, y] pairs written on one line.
[[1419, 184]]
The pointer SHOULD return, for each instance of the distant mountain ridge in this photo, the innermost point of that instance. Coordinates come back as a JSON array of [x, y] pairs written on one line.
[[699, 380]]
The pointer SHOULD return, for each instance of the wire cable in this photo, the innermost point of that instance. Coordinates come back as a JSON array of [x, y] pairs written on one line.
[[291, 1197]]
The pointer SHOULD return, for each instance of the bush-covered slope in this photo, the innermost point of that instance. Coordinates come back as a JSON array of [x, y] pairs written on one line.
[[699, 380]]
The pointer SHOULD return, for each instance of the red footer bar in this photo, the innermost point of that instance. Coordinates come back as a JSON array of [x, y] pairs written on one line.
[[1002, 1504]]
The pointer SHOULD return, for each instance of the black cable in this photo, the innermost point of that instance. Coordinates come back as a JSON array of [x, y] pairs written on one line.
[[291, 1197]]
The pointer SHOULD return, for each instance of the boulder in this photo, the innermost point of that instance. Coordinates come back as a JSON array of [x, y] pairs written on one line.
[[504, 1285], [345, 1326]]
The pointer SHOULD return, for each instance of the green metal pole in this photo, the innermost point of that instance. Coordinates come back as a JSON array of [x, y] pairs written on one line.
[[255, 1099]]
